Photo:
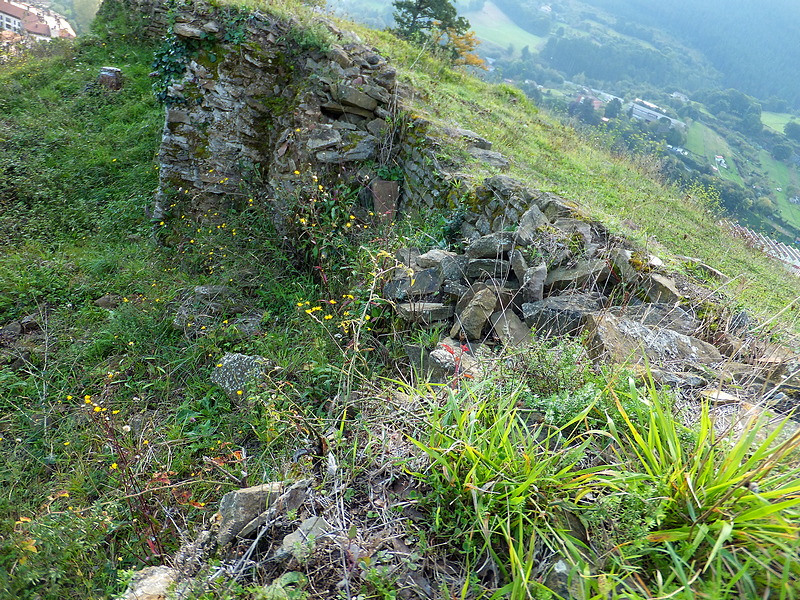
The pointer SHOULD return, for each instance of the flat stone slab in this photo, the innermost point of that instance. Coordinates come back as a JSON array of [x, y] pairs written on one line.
[[239, 507], [661, 314], [625, 341], [582, 274], [425, 312], [561, 315]]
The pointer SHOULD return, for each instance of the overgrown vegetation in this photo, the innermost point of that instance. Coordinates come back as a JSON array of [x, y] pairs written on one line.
[[114, 443]]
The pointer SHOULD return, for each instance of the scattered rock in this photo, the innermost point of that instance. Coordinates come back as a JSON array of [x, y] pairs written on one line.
[[151, 583], [110, 78], [351, 96], [418, 284], [659, 315], [555, 207], [482, 268], [298, 543], [205, 307], [519, 264], [235, 372], [407, 257], [472, 138], [575, 228], [452, 266], [188, 30], [494, 246], [533, 283], [529, 226], [489, 157], [720, 397], [321, 139], [10, 332], [29, 324], [108, 301], [451, 359], [385, 198], [288, 501], [660, 288], [239, 507], [621, 264]]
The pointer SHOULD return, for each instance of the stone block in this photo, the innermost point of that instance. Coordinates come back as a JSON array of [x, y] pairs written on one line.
[[622, 340], [583, 274], [425, 313], [472, 320], [510, 329], [240, 507], [494, 245], [561, 315], [481, 268]]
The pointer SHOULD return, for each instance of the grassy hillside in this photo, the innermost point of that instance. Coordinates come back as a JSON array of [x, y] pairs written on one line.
[[706, 143], [114, 443], [493, 27], [775, 121]]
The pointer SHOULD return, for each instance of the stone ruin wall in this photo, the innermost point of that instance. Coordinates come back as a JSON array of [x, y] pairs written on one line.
[[248, 116], [260, 111]]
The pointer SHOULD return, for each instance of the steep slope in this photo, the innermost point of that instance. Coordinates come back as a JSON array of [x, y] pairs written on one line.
[[249, 331]]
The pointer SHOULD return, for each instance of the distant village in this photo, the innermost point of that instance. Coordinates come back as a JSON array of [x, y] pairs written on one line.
[[20, 21]]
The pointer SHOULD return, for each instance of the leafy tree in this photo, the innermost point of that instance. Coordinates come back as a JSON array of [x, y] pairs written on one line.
[[460, 47], [792, 130], [418, 19], [781, 151], [438, 22], [613, 109]]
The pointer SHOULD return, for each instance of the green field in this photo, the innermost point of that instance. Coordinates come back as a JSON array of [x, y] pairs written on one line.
[[776, 121], [783, 176], [704, 141], [493, 27]]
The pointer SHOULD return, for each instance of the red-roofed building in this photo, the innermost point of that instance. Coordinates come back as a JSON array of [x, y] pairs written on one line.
[[39, 23]]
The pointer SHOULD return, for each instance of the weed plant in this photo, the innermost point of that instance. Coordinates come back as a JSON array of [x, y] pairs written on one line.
[[640, 505]]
